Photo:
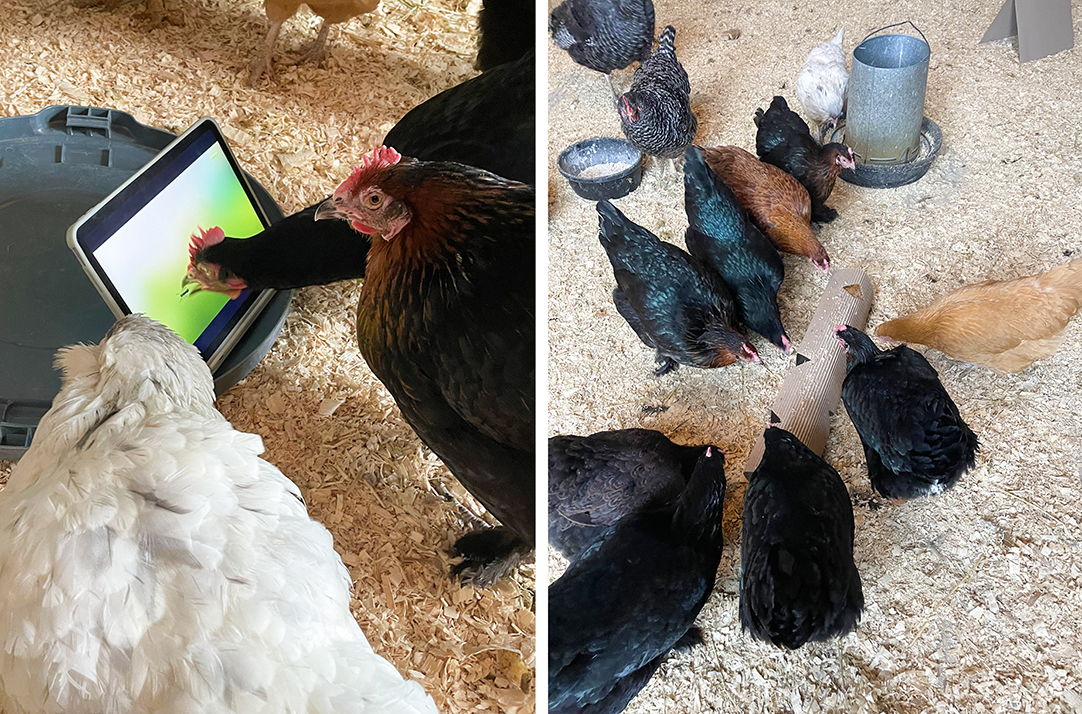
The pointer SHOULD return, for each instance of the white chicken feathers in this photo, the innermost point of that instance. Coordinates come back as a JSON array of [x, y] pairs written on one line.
[[150, 561], [822, 82]]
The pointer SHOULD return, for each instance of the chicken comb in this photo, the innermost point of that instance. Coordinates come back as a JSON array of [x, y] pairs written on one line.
[[205, 239], [382, 157]]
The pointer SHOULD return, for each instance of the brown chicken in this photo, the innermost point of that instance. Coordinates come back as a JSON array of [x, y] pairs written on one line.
[[1003, 325], [278, 11], [777, 203]]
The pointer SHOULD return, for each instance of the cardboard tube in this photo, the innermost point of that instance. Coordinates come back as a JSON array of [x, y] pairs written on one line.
[[813, 386]]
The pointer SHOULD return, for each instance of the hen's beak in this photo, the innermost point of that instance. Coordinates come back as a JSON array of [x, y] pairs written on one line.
[[186, 285], [327, 209]]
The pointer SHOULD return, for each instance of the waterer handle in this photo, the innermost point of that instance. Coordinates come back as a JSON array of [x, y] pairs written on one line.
[[898, 24]]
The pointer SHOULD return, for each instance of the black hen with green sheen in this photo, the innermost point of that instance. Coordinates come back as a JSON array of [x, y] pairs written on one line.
[[673, 303], [914, 438], [721, 236]]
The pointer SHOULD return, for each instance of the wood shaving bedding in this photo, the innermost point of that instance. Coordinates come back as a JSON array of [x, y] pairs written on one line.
[[972, 598]]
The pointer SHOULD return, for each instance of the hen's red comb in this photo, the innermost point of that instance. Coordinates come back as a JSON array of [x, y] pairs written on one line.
[[382, 157], [205, 239]]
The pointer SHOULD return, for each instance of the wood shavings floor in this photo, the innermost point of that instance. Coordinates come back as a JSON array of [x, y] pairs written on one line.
[[363, 472], [973, 598]]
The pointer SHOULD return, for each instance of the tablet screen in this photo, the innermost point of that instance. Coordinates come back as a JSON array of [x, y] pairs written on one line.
[[138, 241]]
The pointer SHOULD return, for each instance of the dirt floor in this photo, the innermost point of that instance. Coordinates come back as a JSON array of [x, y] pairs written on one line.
[[327, 423], [973, 598]]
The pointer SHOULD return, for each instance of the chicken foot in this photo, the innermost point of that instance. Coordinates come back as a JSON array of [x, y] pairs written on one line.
[[318, 51], [262, 65]]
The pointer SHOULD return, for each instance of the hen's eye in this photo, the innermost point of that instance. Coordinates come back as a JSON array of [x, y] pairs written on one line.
[[374, 200]]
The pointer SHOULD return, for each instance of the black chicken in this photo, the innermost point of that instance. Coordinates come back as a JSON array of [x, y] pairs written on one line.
[[798, 582], [505, 32], [487, 122], [655, 113], [723, 239], [596, 480], [617, 612], [914, 438], [783, 139], [669, 299], [604, 35]]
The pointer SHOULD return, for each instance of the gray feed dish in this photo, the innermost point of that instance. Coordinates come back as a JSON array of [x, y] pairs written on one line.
[[54, 165], [579, 161], [895, 175]]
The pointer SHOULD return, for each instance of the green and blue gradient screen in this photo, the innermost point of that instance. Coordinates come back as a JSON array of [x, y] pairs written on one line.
[[141, 240]]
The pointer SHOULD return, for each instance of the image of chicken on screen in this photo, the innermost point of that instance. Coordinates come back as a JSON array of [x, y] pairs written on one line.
[[147, 257]]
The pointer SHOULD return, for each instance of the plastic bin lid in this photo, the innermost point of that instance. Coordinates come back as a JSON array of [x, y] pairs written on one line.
[[55, 165]]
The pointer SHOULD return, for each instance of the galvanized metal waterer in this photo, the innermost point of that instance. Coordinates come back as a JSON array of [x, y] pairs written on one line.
[[892, 141]]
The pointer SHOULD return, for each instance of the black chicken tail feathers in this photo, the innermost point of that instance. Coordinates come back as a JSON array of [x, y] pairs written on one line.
[[759, 113]]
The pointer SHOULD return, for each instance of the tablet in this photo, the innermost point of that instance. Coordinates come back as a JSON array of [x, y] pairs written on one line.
[[134, 244]]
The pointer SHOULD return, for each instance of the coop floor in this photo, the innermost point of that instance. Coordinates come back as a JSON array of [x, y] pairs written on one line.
[[974, 598], [391, 505]]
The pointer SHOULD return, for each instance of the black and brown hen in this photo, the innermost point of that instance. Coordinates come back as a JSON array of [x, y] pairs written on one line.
[[723, 239], [445, 322], [914, 438], [783, 139], [604, 35], [798, 582], [655, 113], [671, 301], [620, 609], [596, 480]]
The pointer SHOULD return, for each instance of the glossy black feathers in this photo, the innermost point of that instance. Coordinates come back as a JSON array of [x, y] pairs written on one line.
[[671, 302], [486, 122], [798, 582], [617, 611], [723, 239], [783, 139], [914, 438]]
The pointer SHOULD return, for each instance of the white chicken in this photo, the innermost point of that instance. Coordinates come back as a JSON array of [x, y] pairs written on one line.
[[150, 561], [822, 83]]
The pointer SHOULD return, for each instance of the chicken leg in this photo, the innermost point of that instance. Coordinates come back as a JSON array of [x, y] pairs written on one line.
[[318, 51], [262, 65]]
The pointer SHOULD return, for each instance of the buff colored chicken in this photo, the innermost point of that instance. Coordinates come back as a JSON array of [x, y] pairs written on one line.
[[332, 12], [1003, 325], [777, 203]]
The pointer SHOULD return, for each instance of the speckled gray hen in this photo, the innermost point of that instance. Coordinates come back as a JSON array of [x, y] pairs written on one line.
[[655, 113]]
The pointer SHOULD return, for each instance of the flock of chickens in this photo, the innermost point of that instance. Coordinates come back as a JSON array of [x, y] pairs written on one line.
[[151, 561], [638, 516]]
